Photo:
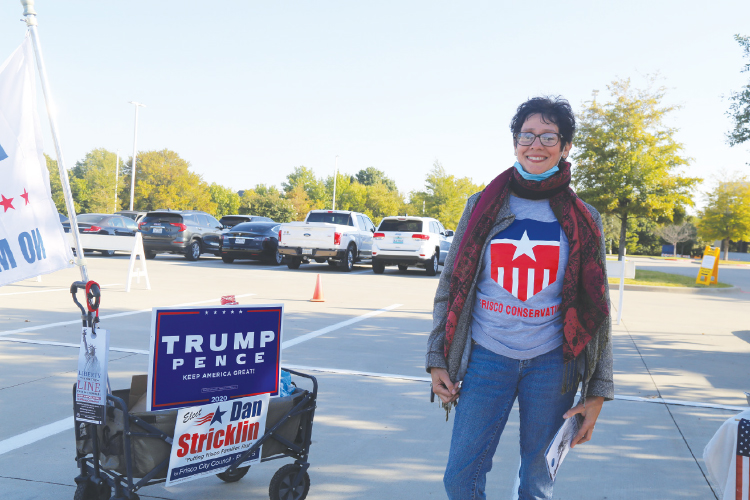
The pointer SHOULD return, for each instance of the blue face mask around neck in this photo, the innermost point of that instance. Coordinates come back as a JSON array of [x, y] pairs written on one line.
[[536, 177]]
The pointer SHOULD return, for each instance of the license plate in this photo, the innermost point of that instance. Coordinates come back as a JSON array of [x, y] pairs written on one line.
[[307, 251], [157, 230], [398, 241], [239, 241]]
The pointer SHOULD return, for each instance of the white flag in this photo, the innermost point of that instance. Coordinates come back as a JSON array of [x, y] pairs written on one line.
[[32, 240]]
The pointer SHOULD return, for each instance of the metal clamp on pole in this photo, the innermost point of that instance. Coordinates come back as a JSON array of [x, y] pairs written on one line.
[[89, 315]]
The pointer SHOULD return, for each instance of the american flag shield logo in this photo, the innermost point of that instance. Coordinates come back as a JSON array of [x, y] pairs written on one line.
[[525, 257], [742, 481]]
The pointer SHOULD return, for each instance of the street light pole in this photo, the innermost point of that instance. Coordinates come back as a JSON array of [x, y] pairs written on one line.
[[135, 139], [117, 174], [335, 175]]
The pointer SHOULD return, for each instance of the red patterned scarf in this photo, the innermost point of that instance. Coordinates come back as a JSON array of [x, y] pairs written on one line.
[[584, 306]]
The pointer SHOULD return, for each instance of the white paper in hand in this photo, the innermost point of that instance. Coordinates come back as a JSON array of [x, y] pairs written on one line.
[[560, 445]]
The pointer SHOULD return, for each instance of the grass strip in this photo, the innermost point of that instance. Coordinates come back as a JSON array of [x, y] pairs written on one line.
[[657, 278]]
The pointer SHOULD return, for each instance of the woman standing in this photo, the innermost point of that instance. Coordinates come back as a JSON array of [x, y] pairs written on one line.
[[522, 310]]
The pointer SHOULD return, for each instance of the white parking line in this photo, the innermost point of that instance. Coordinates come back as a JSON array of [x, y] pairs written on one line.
[[328, 329], [638, 399], [35, 435], [52, 290], [107, 316], [284, 345]]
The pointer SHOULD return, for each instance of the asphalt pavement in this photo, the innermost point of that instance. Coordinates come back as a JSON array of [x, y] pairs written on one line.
[[376, 436]]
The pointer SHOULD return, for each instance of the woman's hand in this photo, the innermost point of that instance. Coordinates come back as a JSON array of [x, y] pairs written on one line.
[[442, 385], [590, 411]]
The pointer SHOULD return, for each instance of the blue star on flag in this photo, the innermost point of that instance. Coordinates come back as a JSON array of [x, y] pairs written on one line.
[[217, 416]]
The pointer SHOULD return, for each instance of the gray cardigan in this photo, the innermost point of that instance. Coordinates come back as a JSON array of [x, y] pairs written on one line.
[[598, 383]]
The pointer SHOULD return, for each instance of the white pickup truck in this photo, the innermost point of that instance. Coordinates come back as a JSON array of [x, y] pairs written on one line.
[[338, 237]]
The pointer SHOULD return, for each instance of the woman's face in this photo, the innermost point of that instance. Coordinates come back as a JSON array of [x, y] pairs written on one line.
[[537, 159]]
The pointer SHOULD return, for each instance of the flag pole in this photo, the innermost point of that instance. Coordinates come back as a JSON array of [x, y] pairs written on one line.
[[30, 15]]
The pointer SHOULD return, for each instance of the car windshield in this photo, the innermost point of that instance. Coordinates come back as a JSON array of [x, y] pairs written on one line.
[[254, 227], [157, 217], [407, 226], [331, 218], [229, 220], [91, 218]]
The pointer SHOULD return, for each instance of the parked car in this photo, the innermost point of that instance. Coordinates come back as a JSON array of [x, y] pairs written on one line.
[[410, 241], [187, 232], [115, 225], [252, 240], [132, 214], [229, 221], [339, 237]]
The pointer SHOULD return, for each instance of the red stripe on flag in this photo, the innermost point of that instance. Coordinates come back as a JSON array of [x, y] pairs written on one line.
[[738, 480]]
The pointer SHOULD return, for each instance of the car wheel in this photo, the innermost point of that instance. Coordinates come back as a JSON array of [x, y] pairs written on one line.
[[347, 264], [378, 267], [149, 255], [431, 266], [320, 260], [193, 251], [276, 259], [107, 253], [293, 263], [227, 260], [403, 267]]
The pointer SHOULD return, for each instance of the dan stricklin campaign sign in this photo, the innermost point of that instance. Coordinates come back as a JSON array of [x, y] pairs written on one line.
[[210, 438], [213, 354]]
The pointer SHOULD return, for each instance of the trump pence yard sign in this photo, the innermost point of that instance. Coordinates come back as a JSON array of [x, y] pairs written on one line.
[[208, 355]]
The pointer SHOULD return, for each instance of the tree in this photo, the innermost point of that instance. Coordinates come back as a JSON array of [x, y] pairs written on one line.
[[163, 181], [739, 109], [371, 176], [676, 233], [444, 196], [55, 184], [227, 201], [304, 178], [627, 160], [727, 212], [93, 182], [267, 202]]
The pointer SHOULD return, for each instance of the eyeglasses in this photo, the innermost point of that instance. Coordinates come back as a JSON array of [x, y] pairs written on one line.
[[546, 139]]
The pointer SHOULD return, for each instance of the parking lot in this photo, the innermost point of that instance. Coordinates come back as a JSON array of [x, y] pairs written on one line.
[[375, 435]]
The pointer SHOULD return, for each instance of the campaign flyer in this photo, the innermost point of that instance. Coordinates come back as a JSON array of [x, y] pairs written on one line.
[[91, 384]]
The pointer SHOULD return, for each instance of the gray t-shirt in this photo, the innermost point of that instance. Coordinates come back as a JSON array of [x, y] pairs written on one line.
[[517, 308]]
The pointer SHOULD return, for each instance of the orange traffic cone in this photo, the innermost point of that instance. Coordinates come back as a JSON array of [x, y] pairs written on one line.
[[318, 295]]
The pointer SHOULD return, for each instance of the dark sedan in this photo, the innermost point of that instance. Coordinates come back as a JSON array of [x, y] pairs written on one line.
[[252, 240], [116, 225]]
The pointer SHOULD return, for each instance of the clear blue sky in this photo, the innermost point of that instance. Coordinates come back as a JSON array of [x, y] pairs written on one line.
[[248, 90]]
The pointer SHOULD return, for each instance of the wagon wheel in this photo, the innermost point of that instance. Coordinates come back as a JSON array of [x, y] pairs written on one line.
[[281, 487], [88, 491], [233, 477]]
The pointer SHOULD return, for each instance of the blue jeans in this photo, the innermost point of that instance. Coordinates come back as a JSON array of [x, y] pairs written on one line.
[[488, 391]]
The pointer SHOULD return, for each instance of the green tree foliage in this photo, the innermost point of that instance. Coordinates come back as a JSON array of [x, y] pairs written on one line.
[[227, 201], [92, 182], [444, 196], [727, 212], [371, 176], [164, 180], [304, 178], [267, 202], [55, 184], [627, 159], [739, 109], [376, 200]]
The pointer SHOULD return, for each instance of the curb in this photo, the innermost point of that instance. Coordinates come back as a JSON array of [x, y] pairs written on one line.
[[676, 289]]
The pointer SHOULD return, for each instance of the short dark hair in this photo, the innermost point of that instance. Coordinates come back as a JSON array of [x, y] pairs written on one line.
[[556, 110]]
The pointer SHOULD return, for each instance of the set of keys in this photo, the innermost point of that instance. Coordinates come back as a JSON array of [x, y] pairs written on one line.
[[446, 406]]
